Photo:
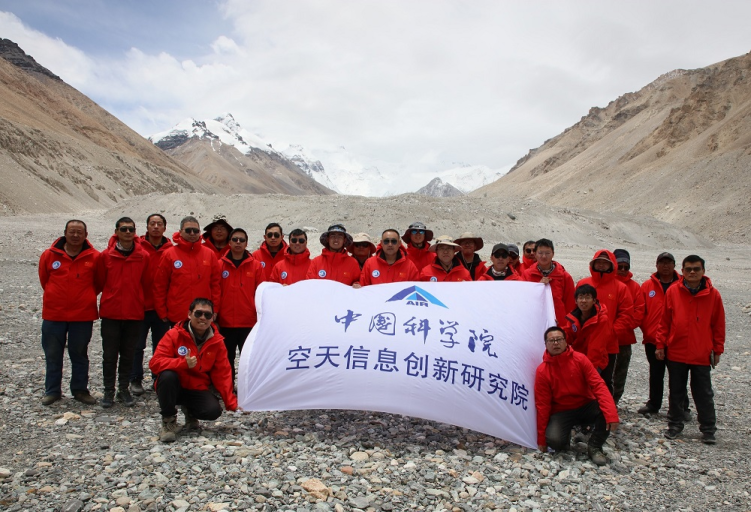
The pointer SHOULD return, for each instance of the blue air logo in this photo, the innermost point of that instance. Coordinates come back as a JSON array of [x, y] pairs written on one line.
[[416, 296]]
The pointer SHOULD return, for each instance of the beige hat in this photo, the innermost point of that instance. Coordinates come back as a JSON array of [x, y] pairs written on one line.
[[360, 238], [470, 236], [443, 240]]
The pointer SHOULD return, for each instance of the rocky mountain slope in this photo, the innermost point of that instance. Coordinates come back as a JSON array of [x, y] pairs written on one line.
[[437, 188], [221, 152], [61, 152], [678, 150]]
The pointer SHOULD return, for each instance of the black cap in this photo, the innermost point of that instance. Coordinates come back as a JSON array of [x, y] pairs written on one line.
[[664, 255], [622, 256]]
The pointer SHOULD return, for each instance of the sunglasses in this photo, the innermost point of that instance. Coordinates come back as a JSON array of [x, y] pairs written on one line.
[[205, 314], [624, 267], [297, 240], [127, 229], [273, 234], [389, 241], [689, 270], [513, 256], [361, 245], [418, 231], [239, 240], [500, 255], [529, 251], [192, 231]]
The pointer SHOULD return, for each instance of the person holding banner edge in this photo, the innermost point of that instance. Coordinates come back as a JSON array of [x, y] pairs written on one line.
[[569, 392]]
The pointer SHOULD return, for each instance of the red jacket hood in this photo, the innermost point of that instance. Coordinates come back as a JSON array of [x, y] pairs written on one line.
[[402, 252], [603, 277], [227, 258], [626, 278], [59, 244], [548, 358], [183, 244], [295, 258], [265, 249]]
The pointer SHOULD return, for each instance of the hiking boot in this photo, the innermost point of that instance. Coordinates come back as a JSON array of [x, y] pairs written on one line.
[[169, 431], [191, 423], [597, 456], [136, 388], [50, 399], [109, 398], [672, 433], [85, 397], [647, 409], [123, 395], [708, 438]]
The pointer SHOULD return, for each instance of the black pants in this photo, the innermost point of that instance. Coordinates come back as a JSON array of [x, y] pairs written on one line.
[[119, 340], [701, 390], [558, 431], [158, 328], [607, 373], [657, 378], [203, 405], [234, 339], [621, 371]]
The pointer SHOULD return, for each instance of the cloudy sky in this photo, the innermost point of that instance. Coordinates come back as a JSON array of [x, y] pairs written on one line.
[[424, 84]]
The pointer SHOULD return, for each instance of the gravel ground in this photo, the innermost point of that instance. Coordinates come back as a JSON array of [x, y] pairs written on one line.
[[74, 457]]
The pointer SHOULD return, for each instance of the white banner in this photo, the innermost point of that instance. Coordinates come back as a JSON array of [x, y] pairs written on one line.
[[459, 353]]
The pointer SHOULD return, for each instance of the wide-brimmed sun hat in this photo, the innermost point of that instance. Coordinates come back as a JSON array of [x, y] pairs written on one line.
[[470, 236], [359, 238], [443, 240], [418, 226], [335, 228]]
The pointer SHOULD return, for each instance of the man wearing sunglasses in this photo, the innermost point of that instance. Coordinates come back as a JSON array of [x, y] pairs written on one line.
[[121, 275], [417, 238], [528, 256], [500, 270], [294, 267], [390, 263], [334, 263], [362, 248], [67, 274], [569, 392], [241, 275], [272, 249], [691, 339], [186, 271], [189, 358]]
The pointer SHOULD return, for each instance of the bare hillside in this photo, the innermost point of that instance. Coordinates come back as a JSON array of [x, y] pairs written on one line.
[[678, 150], [59, 151]]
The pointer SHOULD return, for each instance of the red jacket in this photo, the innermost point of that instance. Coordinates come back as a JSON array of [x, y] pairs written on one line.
[[628, 337], [479, 269], [435, 272], [692, 326], [187, 271], [293, 268], [334, 266], [568, 381], [561, 286], [592, 338], [238, 285], [525, 263], [155, 256], [69, 284], [511, 275], [212, 367], [654, 303], [122, 281], [420, 257], [377, 271], [263, 255], [217, 252], [615, 296]]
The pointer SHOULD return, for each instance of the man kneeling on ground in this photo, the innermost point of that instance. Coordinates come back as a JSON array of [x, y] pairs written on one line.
[[189, 358], [568, 392]]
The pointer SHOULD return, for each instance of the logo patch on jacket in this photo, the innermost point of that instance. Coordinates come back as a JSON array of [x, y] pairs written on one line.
[[263, 264], [376, 273], [434, 278], [321, 273], [178, 264], [225, 274], [182, 350], [573, 328], [284, 275], [56, 265], [652, 293]]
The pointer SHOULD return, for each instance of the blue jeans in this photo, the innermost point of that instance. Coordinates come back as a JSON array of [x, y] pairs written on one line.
[[158, 329], [55, 335]]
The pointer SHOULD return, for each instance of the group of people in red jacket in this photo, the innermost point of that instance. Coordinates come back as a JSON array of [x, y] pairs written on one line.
[[149, 284]]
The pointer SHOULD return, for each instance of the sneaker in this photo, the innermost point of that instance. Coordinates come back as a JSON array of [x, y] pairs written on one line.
[[647, 409], [597, 456], [85, 397], [136, 388], [109, 398], [123, 395], [708, 438], [191, 423], [169, 431], [48, 400], [672, 433]]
